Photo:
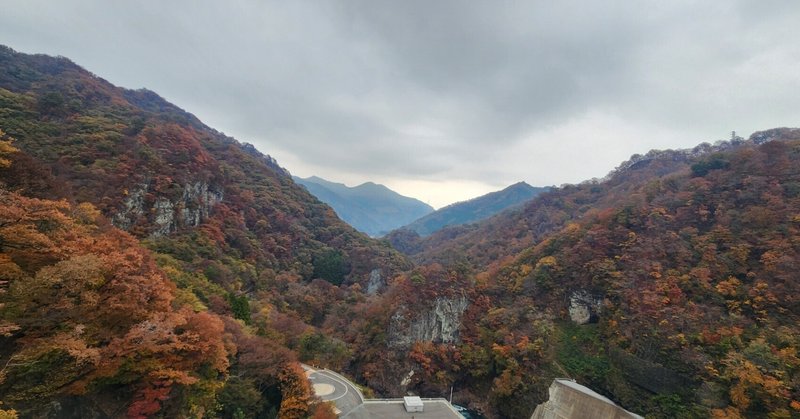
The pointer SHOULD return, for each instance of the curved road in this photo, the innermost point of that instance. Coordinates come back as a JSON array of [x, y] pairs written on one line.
[[350, 403], [334, 388]]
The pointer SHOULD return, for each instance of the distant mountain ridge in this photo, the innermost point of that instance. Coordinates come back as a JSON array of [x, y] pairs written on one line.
[[475, 209], [370, 208]]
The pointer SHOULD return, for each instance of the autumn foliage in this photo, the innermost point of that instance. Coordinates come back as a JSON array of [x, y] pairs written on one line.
[[693, 261], [196, 316], [227, 273], [85, 304]]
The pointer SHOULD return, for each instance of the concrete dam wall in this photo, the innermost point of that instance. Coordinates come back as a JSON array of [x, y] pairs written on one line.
[[570, 400]]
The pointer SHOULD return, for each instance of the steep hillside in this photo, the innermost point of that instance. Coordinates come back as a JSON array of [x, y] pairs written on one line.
[[238, 242], [91, 327], [159, 173], [484, 243], [475, 209], [370, 208], [670, 287]]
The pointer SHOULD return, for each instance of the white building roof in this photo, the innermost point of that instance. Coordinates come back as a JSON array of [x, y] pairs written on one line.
[[412, 401]]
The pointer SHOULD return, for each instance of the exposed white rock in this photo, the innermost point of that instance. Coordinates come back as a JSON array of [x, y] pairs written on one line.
[[197, 203], [407, 379], [440, 323], [164, 217], [192, 208], [584, 307], [133, 207], [375, 282]]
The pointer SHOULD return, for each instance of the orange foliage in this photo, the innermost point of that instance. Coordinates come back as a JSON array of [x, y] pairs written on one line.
[[93, 294], [296, 392]]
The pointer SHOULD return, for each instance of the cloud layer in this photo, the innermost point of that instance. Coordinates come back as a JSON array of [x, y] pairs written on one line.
[[445, 99]]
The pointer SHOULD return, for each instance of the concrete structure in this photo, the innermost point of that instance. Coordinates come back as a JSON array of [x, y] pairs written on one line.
[[395, 409], [570, 400], [350, 403], [413, 404]]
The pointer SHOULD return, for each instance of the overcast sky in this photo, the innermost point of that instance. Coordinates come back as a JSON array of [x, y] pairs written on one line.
[[442, 100]]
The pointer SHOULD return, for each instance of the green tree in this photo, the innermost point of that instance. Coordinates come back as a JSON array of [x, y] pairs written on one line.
[[330, 265], [240, 306]]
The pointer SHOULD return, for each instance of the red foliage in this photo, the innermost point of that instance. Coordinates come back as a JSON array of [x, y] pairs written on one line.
[[148, 400]]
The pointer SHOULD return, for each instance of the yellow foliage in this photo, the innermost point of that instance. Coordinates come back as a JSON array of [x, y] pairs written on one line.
[[711, 370], [525, 269], [728, 288], [8, 414], [86, 213], [789, 356], [5, 149], [770, 258], [9, 271], [547, 261], [184, 297], [680, 338], [572, 228], [751, 380], [739, 396]]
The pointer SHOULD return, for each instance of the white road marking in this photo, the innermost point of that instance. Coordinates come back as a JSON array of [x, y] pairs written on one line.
[[340, 382]]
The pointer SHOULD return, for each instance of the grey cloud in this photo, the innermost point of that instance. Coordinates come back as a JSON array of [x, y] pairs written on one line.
[[425, 90]]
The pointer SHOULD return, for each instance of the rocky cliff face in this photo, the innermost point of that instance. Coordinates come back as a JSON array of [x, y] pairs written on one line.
[[376, 282], [440, 323], [167, 215], [584, 307]]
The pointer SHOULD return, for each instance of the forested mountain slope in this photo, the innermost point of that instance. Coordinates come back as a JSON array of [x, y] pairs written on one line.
[[91, 327], [154, 170], [223, 222], [475, 209], [670, 287], [483, 243]]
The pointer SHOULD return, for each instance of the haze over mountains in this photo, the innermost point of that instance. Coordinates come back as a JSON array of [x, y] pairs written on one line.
[[152, 266], [377, 210], [370, 208], [475, 209]]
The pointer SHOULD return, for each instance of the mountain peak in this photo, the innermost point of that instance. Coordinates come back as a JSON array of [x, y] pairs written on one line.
[[369, 207], [521, 185]]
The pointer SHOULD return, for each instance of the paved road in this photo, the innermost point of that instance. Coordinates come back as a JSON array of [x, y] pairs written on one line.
[[344, 395], [350, 403]]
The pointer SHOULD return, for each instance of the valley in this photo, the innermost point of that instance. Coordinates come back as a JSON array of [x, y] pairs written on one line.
[[151, 266]]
